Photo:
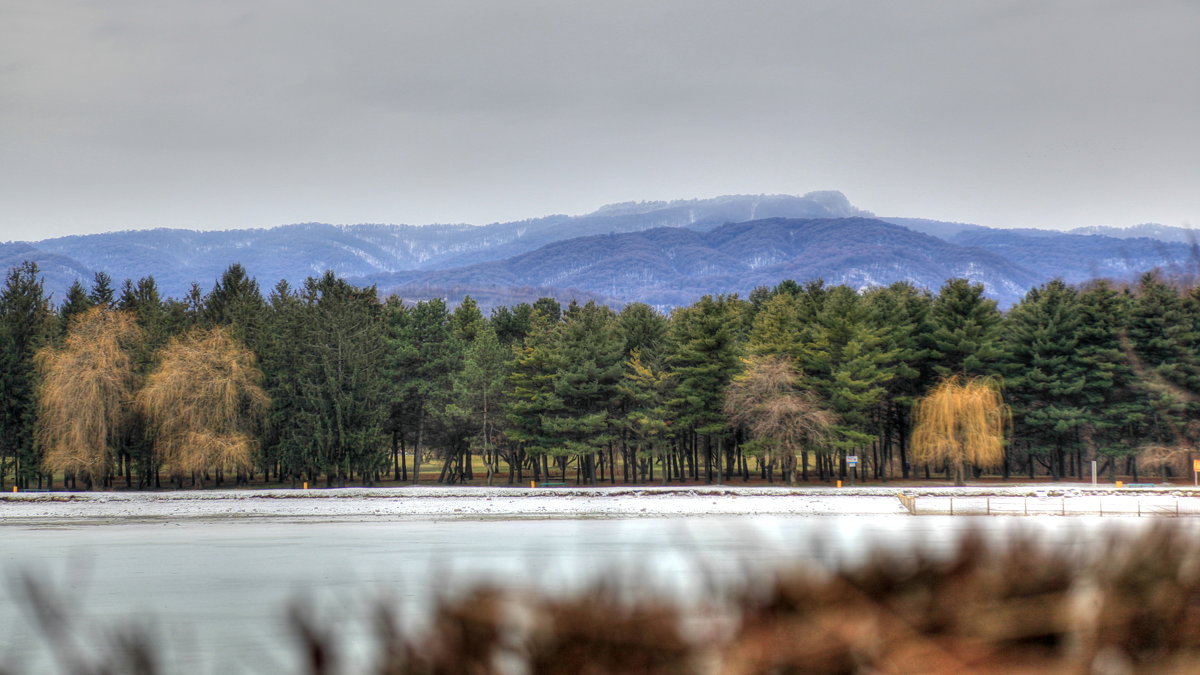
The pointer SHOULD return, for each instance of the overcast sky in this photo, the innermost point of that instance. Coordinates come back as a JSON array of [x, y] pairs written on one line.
[[118, 114]]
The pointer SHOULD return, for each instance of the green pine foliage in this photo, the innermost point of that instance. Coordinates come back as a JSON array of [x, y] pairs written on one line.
[[421, 357], [362, 390], [1113, 409], [962, 335], [900, 313], [76, 302], [26, 324], [1045, 371], [531, 396], [478, 390], [706, 354]]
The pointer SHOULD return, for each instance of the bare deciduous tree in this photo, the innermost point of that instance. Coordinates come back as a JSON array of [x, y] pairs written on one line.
[[767, 399]]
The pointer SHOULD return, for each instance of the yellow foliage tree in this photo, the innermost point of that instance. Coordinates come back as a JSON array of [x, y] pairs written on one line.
[[961, 422], [202, 403], [86, 389]]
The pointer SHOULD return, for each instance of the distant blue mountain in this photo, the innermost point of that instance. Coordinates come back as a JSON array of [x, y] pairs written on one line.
[[1181, 235], [1076, 257], [666, 253], [672, 266], [58, 272], [177, 258]]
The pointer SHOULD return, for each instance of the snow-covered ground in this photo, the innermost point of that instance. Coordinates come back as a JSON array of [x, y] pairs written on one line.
[[433, 502], [622, 502]]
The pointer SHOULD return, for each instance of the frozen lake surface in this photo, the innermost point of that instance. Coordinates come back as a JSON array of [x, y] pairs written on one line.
[[216, 591]]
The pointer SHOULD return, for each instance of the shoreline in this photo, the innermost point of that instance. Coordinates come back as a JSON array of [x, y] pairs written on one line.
[[437, 503]]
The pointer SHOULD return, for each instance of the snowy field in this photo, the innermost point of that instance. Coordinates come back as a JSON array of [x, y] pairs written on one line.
[[623, 502]]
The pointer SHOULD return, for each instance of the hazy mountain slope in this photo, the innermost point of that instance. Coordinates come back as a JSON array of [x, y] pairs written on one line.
[[1075, 257], [1181, 235], [937, 228], [176, 258], [673, 265], [57, 271], [695, 214], [664, 252]]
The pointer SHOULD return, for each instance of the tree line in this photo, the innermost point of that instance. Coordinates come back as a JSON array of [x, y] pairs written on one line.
[[328, 383]]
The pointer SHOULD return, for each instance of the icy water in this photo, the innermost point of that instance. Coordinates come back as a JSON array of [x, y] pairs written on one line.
[[217, 592]]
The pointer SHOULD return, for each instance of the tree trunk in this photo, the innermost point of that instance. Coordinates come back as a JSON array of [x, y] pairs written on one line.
[[960, 472], [417, 447], [395, 455]]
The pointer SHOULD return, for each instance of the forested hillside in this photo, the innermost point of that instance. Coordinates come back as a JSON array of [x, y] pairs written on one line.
[[670, 267], [1183, 235], [177, 258], [611, 255], [1076, 257], [118, 386]]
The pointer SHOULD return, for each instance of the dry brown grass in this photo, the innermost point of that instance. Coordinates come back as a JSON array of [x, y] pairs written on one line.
[[86, 390], [202, 402]]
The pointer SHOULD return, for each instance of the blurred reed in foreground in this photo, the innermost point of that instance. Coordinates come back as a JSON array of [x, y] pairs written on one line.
[[991, 606]]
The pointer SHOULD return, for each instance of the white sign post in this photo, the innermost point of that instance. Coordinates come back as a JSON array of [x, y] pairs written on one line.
[[851, 463]]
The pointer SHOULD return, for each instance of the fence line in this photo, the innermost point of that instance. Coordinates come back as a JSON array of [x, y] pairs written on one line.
[[1109, 505]]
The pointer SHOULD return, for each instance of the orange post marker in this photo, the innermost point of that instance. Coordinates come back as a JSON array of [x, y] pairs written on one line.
[[839, 483]]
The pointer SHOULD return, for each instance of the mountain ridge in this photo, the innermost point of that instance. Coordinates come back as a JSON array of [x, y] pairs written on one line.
[[851, 246]]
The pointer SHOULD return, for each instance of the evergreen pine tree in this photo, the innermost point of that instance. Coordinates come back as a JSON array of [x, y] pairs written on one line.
[[962, 339], [705, 356], [341, 387], [102, 291], [236, 302], [776, 330], [530, 395], [900, 314], [590, 357], [1044, 373], [76, 302], [26, 325], [1114, 409], [466, 320], [477, 393], [424, 354], [1161, 339]]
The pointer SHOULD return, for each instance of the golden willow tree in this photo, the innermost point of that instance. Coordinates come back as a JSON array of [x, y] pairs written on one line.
[[767, 399], [86, 390], [962, 423], [202, 404]]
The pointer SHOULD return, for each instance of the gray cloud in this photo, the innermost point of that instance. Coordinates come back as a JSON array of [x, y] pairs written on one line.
[[223, 113]]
